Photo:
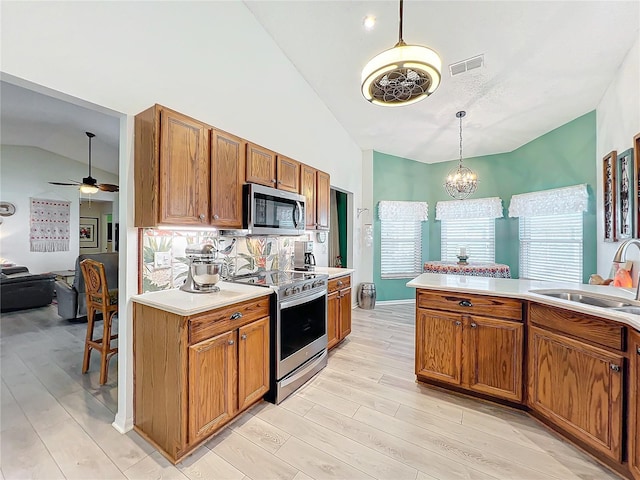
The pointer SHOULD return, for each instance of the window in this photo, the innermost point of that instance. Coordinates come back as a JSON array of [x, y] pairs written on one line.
[[551, 247], [477, 235], [401, 238], [400, 248]]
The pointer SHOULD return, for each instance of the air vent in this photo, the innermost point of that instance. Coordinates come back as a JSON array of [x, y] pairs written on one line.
[[466, 65]]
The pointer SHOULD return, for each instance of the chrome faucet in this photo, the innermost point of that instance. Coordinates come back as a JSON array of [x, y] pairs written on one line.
[[620, 257]]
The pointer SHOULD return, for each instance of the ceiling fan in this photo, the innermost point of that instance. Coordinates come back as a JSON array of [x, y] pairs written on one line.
[[89, 184]]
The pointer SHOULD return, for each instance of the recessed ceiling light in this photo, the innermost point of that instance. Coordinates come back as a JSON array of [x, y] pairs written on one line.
[[369, 22]]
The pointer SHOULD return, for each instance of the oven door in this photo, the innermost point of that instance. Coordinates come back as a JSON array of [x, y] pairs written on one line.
[[301, 331]]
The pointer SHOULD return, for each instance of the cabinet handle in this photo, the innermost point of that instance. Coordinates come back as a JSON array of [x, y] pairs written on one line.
[[465, 303], [236, 316], [202, 216], [458, 323], [474, 324], [244, 336], [216, 217], [340, 283], [615, 368], [273, 180], [638, 350], [231, 342]]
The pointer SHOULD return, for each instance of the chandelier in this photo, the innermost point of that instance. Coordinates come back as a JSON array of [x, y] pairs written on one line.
[[402, 75], [461, 181]]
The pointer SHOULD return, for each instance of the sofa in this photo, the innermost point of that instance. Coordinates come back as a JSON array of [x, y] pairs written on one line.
[[72, 300], [20, 289]]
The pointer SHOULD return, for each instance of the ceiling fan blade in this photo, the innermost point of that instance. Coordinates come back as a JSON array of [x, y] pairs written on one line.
[[108, 187], [75, 184]]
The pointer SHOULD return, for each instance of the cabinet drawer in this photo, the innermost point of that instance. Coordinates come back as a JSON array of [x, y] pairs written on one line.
[[339, 283], [466, 304], [227, 318], [579, 325]]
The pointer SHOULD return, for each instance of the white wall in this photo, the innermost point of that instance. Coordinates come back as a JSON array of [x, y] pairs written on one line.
[[618, 121], [209, 60], [24, 173]]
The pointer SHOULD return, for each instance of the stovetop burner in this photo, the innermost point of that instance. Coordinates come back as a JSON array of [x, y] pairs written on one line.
[[286, 281]]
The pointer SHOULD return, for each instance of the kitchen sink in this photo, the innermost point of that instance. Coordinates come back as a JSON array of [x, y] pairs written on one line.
[[588, 298]]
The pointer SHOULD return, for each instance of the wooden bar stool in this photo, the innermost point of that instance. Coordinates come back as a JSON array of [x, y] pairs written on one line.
[[99, 298]]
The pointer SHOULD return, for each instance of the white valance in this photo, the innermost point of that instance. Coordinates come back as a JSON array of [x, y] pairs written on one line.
[[476, 208], [559, 201], [392, 210]]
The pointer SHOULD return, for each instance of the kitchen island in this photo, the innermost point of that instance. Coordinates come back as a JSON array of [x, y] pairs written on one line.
[[574, 366]]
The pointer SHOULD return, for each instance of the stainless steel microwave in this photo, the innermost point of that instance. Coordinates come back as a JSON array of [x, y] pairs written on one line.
[[268, 211]]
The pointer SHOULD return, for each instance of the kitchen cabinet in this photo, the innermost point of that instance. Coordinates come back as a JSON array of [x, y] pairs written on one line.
[[288, 174], [194, 374], [458, 343], [171, 169], [338, 309], [261, 166], [634, 403], [227, 177], [316, 187], [578, 387]]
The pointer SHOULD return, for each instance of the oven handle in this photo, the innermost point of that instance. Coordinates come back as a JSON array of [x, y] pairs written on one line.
[[301, 373], [300, 301]]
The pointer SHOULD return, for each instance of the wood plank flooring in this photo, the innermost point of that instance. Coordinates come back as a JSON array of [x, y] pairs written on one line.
[[362, 417]]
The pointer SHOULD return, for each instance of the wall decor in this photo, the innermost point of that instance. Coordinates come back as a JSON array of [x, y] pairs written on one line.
[[625, 194], [636, 184], [49, 225], [609, 196], [88, 232]]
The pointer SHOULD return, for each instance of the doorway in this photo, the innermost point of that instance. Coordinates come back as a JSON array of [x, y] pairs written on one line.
[[341, 230]]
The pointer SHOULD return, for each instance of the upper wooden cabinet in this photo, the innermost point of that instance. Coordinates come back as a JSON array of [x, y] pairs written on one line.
[[634, 404], [288, 174], [316, 187], [227, 177], [261, 166], [171, 169]]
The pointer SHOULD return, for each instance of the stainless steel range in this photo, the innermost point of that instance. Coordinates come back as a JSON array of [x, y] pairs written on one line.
[[298, 327]]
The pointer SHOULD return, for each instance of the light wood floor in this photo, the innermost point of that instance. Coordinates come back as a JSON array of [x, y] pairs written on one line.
[[361, 417]]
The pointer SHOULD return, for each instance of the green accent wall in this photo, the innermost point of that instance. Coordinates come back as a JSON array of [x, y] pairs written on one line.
[[341, 202], [562, 157]]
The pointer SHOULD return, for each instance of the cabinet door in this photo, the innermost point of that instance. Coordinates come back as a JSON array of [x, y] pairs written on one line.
[[345, 312], [439, 346], [333, 319], [308, 189], [577, 387], [493, 357], [261, 166], [253, 362], [634, 404], [323, 190], [212, 384], [184, 170], [288, 174], [227, 177]]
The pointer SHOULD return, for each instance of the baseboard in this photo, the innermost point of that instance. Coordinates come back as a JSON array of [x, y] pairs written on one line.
[[123, 425], [396, 302]]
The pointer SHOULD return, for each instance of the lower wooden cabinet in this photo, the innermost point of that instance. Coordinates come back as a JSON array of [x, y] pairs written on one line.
[[634, 404], [477, 353], [578, 387], [192, 375], [338, 310]]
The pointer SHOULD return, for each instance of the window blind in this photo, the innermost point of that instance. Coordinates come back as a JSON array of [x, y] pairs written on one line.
[[476, 234], [551, 247], [401, 248]]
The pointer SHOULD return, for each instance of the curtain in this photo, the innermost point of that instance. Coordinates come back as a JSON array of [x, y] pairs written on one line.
[[558, 201], [464, 209]]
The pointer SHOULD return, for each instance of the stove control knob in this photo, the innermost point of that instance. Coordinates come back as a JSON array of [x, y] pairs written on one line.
[[296, 289], [306, 286], [288, 292], [318, 283]]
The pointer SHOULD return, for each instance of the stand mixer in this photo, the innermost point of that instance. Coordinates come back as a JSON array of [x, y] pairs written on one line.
[[205, 269]]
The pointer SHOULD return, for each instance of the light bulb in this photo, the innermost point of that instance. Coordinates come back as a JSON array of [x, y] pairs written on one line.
[[88, 189]]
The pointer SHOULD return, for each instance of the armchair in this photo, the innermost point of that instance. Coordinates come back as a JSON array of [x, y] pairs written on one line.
[[72, 300]]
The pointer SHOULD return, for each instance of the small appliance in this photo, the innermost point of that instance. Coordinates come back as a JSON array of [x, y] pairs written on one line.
[[205, 269], [303, 258]]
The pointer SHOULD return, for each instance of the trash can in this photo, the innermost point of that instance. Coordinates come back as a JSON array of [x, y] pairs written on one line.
[[367, 296]]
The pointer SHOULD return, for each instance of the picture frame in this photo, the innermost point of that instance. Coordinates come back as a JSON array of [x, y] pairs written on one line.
[[88, 232], [626, 193], [609, 196], [636, 183]]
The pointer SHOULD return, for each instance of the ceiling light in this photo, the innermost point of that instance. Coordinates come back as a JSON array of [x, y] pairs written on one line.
[[402, 75], [461, 182], [369, 22], [88, 189]]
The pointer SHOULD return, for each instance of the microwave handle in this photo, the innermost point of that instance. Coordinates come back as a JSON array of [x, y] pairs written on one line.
[[297, 214]]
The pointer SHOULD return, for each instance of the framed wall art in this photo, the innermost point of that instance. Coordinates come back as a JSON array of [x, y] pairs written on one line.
[[609, 196], [636, 184], [88, 232], [625, 194]]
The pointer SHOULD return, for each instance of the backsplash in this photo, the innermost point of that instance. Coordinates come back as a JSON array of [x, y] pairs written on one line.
[[165, 265]]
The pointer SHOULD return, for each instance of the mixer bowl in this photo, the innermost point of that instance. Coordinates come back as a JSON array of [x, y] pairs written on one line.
[[205, 275]]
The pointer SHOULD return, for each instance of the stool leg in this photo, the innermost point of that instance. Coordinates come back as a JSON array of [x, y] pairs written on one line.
[[106, 346], [87, 347]]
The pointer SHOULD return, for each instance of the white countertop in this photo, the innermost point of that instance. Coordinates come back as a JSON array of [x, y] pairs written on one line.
[[333, 272], [185, 303], [521, 289]]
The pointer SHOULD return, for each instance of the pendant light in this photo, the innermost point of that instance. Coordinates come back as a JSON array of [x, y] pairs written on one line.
[[402, 75], [461, 181], [88, 187]]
